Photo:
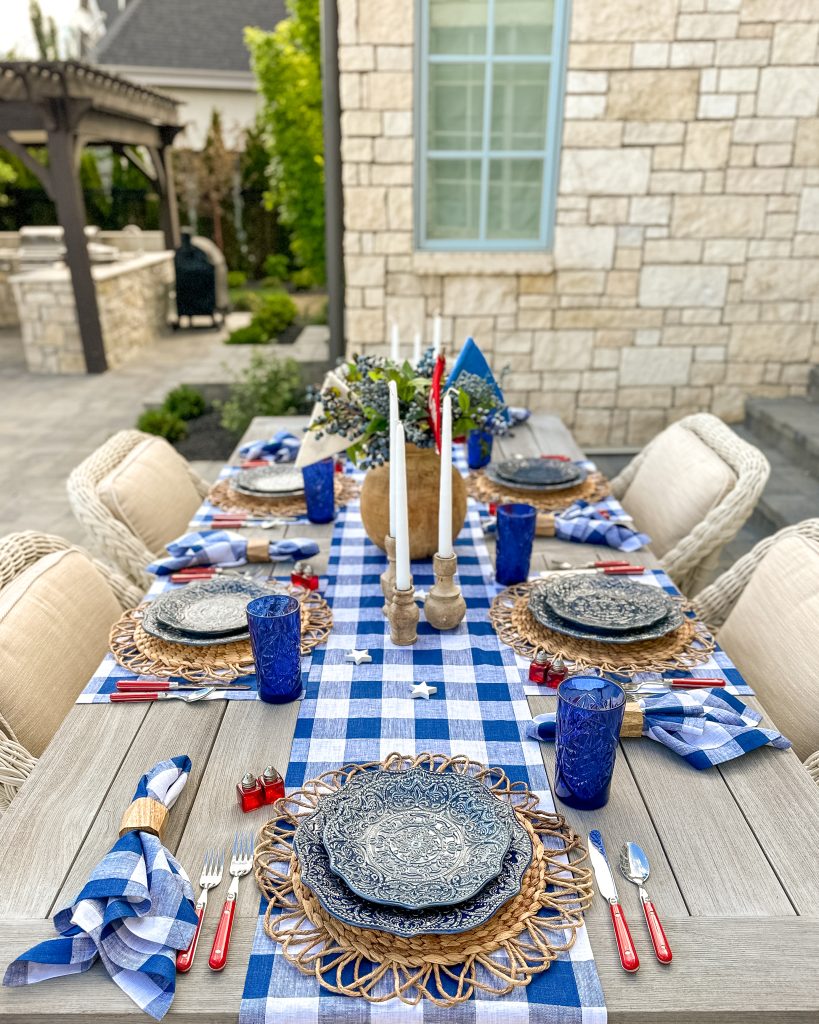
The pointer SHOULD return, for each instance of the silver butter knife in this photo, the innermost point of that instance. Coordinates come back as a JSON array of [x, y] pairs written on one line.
[[608, 890]]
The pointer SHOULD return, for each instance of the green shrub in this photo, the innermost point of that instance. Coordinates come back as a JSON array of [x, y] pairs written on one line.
[[267, 387], [250, 335], [275, 266], [163, 423], [243, 301], [303, 280], [184, 402], [236, 279], [275, 313], [321, 314]]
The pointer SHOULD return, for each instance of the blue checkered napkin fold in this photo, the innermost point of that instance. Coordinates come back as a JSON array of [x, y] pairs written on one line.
[[706, 727], [134, 912], [227, 550], [281, 447], [583, 523]]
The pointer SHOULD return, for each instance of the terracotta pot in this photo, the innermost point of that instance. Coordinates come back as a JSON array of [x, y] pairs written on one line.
[[423, 481]]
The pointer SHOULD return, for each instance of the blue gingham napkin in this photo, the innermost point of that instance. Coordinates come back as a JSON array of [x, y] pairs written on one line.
[[706, 727], [599, 522], [281, 447], [227, 549], [134, 912]]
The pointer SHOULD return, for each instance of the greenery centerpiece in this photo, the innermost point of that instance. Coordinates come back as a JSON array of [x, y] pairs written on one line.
[[357, 409]]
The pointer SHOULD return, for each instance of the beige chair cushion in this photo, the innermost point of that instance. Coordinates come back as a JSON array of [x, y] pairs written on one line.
[[771, 635], [54, 623], [677, 485], [152, 493]]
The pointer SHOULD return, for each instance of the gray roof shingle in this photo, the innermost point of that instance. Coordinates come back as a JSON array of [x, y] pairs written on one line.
[[196, 34]]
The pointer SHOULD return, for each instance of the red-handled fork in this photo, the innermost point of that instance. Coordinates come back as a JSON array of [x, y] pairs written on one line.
[[211, 876], [240, 864]]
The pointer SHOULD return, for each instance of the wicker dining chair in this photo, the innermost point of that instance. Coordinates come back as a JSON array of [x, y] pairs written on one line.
[[765, 613], [691, 489], [133, 495], [41, 671]]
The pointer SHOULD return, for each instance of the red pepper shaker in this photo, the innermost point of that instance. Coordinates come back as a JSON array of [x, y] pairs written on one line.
[[303, 576], [250, 793], [556, 673], [539, 668], [272, 785]]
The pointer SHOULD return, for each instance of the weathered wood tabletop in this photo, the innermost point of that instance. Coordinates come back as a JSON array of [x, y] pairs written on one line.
[[734, 850]]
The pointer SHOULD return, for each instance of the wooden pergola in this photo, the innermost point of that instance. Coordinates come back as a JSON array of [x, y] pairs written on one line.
[[64, 106]]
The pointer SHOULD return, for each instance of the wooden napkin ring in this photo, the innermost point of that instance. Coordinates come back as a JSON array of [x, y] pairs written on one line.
[[632, 720], [144, 815], [545, 524], [258, 549]]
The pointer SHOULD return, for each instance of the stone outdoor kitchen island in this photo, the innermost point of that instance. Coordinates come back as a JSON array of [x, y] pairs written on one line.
[[683, 267]]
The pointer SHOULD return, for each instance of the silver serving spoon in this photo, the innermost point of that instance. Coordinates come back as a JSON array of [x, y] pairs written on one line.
[[634, 865]]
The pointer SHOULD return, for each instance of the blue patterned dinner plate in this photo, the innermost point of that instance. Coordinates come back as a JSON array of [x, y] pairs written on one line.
[[606, 603], [273, 481], [416, 838], [346, 906], [517, 481], [210, 607], [548, 617], [538, 472]]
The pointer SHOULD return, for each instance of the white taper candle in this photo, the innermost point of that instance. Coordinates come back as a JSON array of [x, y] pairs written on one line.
[[416, 349], [445, 492], [436, 334], [403, 580], [393, 424], [394, 343]]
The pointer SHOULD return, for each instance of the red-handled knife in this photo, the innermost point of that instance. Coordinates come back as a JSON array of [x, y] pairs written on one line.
[[189, 698], [162, 685], [608, 890], [693, 684]]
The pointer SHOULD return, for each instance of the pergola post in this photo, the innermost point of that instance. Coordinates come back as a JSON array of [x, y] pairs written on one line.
[[168, 210], [62, 155]]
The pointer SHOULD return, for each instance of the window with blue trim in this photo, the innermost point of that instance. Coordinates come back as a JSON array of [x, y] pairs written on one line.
[[490, 96]]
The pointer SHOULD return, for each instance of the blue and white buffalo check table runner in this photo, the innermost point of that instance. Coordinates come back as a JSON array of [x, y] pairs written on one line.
[[362, 713]]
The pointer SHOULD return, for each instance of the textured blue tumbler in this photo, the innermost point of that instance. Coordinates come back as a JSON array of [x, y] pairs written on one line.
[[516, 532], [589, 715], [478, 448], [275, 638], [319, 493]]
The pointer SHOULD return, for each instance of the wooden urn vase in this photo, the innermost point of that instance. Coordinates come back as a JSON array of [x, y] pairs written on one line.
[[423, 481]]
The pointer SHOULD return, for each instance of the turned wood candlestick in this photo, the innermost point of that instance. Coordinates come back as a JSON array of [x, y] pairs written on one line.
[[444, 606], [403, 617], [388, 575]]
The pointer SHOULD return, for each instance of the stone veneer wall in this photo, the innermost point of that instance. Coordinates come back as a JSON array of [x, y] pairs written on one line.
[[685, 271], [133, 304]]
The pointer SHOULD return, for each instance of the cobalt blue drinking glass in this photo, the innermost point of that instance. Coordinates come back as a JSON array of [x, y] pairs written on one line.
[[516, 531], [589, 715], [319, 493], [478, 448], [275, 639]]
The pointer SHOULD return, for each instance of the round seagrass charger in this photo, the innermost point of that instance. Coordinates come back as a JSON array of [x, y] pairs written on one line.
[[594, 488], [140, 652], [681, 649], [225, 498], [521, 940]]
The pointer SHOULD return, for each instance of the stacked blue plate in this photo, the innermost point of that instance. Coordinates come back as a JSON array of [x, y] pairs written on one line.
[[413, 852]]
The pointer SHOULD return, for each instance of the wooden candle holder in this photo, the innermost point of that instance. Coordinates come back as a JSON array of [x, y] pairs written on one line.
[[388, 575], [444, 606], [403, 617], [144, 815]]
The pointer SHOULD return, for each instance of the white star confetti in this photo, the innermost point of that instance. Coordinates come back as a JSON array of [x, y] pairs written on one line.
[[359, 657], [423, 690]]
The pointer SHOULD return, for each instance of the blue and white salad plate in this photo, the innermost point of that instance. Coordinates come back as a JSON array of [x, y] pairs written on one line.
[[346, 906], [416, 839]]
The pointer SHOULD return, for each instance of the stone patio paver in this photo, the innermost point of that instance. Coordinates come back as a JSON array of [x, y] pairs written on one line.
[[48, 424]]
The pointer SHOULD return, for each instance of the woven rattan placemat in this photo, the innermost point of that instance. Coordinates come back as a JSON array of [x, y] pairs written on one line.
[[140, 652], [506, 952], [226, 499], [594, 488], [685, 647]]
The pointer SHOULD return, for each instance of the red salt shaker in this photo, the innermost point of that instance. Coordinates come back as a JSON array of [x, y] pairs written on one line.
[[556, 673], [250, 793], [539, 668], [303, 576], [272, 785]]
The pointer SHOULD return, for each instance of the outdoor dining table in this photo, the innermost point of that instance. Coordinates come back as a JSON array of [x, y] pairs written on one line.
[[734, 850]]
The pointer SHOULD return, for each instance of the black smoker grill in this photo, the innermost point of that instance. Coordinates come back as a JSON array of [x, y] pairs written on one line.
[[201, 280]]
